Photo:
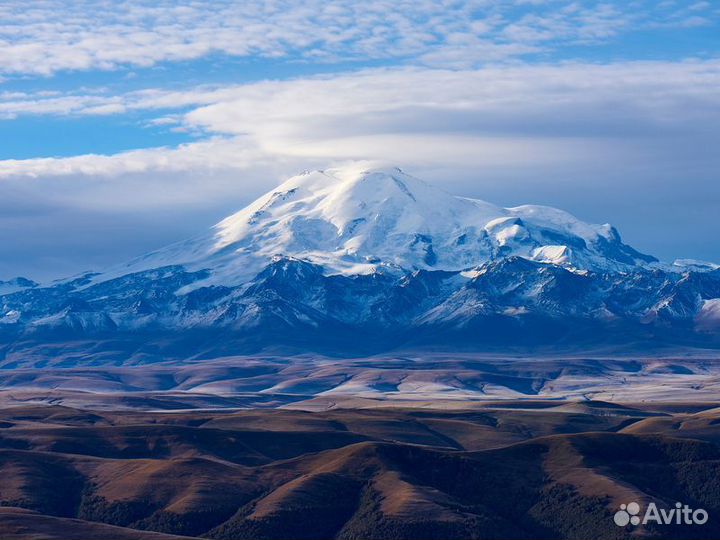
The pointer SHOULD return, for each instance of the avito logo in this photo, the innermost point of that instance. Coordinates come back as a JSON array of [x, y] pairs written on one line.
[[682, 514]]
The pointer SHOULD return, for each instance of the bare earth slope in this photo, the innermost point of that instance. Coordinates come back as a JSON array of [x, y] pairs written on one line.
[[512, 469]]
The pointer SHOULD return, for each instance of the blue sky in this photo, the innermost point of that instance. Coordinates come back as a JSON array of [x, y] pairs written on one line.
[[127, 125]]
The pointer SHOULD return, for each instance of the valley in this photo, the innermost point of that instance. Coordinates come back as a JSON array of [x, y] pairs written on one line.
[[312, 382], [514, 469]]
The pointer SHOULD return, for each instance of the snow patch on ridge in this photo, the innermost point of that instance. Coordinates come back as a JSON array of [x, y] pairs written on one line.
[[560, 255], [708, 318], [692, 264]]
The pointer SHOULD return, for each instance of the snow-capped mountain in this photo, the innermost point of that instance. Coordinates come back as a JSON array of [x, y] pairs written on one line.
[[374, 258], [358, 221]]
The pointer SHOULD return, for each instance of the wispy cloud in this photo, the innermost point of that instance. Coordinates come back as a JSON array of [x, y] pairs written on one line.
[[346, 115], [216, 153]]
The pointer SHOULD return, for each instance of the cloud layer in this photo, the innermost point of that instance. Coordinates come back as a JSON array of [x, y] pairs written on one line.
[[536, 114], [54, 35]]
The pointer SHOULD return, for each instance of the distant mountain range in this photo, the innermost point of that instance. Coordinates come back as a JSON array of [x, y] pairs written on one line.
[[351, 260]]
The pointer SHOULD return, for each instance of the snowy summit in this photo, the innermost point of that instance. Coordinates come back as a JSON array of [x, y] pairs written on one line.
[[358, 220]]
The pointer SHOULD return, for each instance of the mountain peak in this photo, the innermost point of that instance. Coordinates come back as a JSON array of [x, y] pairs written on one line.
[[360, 183], [364, 218]]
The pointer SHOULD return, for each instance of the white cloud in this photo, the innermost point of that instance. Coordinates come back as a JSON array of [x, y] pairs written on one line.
[[536, 114], [54, 35], [208, 155], [486, 100]]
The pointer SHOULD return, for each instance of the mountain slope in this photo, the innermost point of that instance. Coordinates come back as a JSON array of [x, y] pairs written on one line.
[[367, 260]]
